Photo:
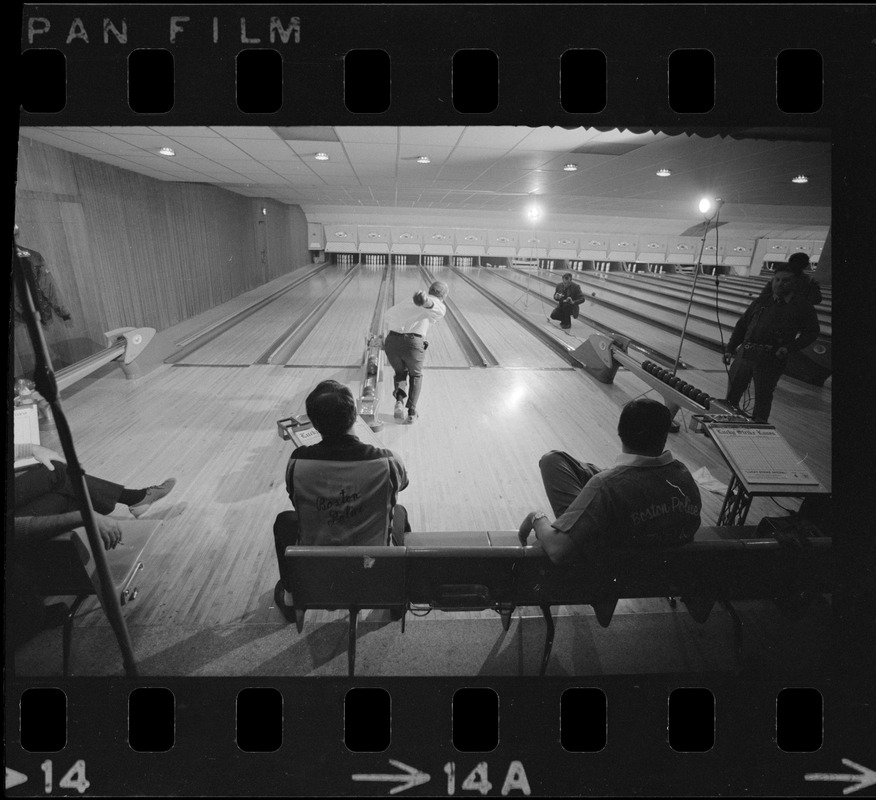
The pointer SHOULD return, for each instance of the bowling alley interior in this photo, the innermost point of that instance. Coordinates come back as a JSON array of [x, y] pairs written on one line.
[[209, 277]]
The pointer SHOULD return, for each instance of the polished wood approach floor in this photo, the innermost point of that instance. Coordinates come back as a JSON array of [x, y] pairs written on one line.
[[209, 421]]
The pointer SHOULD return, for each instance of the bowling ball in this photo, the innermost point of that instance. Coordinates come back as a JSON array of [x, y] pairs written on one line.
[[706, 402], [674, 380], [692, 392], [682, 385], [368, 391], [646, 365]]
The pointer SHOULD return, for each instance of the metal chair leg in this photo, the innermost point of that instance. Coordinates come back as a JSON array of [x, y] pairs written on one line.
[[351, 646], [67, 637], [737, 630], [548, 638]]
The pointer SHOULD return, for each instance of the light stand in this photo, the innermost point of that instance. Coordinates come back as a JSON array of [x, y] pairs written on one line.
[[46, 385], [708, 220]]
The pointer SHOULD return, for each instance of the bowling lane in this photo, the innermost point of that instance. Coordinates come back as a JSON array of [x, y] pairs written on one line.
[[248, 339], [444, 350], [662, 341], [339, 337], [511, 344]]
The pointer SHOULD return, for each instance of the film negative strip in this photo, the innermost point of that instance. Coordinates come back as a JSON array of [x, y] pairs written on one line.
[[711, 69]]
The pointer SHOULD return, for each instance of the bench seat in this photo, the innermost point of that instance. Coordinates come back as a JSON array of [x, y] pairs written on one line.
[[479, 570]]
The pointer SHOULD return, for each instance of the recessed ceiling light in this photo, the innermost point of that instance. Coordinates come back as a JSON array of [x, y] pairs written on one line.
[[800, 179], [663, 173], [167, 151], [424, 160], [571, 167], [321, 157]]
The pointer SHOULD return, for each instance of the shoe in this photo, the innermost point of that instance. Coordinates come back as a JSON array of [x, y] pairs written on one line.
[[566, 327], [280, 601], [399, 412], [153, 493], [412, 418]]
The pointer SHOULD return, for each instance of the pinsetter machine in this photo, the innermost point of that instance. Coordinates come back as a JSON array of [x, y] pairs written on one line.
[[602, 356]]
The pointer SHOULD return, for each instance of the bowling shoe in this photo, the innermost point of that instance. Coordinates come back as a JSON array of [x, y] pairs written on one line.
[[399, 412], [153, 493], [413, 416]]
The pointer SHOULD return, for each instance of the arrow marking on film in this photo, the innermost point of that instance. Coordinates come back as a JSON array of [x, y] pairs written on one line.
[[864, 778], [14, 778], [413, 777]]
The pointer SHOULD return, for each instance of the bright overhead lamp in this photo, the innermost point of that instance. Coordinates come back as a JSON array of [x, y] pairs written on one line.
[[167, 151], [663, 173], [424, 160], [533, 212], [321, 157], [800, 179], [709, 207], [571, 168]]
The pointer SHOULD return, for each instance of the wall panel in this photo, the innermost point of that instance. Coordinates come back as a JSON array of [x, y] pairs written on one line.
[[128, 250]]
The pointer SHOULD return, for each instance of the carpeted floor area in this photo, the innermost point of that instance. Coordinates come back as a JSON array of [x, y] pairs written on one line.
[[637, 642]]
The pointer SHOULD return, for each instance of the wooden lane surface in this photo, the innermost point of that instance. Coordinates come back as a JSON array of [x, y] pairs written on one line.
[[339, 337], [512, 345], [472, 459], [185, 331], [729, 301], [243, 343], [663, 341], [444, 350], [214, 561]]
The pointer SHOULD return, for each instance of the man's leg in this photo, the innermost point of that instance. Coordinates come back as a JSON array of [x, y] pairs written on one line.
[[565, 316], [40, 491], [563, 477], [400, 377], [400, 525], [285, 535], [739, 376], [414, 362], [766, 378]]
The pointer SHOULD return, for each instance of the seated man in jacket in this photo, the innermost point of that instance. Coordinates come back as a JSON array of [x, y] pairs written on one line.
[[46, 505], [343, 491], [648, 499]]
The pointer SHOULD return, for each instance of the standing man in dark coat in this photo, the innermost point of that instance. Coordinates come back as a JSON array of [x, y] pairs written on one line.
[[804, 285], [772, 327], [47, 300], [568, 296]]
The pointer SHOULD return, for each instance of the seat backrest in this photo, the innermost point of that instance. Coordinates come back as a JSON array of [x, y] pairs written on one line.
[[64, 565], [745, 569], [340, 577], [346, 503], [467, 576]]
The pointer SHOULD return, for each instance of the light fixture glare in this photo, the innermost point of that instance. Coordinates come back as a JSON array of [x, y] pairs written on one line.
[[663, 173], [321, 157], [571, 167], [167, 151]]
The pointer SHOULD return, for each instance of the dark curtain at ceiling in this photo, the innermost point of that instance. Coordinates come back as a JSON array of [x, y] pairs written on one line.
[[770, 134]]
